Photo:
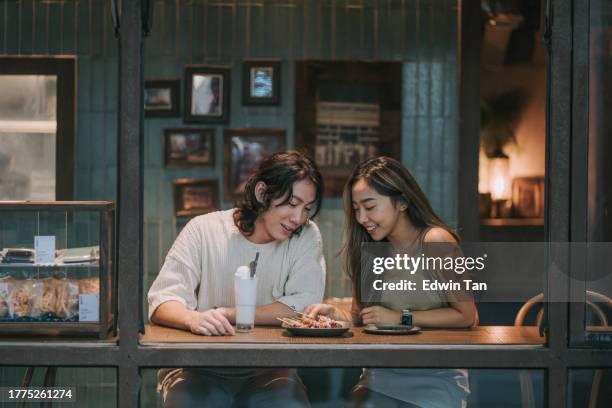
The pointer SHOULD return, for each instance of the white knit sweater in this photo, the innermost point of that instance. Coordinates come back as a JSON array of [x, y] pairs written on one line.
[[199, 268]]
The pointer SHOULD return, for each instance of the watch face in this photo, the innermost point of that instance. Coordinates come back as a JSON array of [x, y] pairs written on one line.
[[406, 318]]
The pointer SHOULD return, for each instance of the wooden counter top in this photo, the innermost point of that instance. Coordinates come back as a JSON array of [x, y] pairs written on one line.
[[485, 335]]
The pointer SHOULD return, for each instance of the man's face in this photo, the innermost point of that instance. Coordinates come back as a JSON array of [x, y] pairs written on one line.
[[280, 221]]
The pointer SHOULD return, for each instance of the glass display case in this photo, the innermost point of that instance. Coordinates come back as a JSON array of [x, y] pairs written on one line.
[[57, 268]]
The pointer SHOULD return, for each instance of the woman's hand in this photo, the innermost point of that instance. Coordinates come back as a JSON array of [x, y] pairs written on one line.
[[380, 315], [321, 309], [212, 322]]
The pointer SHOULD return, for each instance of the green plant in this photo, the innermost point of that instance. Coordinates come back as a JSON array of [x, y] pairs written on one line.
[[499, 115]]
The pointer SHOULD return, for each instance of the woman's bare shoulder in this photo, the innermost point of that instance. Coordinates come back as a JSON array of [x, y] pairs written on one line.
[[438, 234]]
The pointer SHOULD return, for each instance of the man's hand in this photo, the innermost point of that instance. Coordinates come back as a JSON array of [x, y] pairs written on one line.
[[320, 309], [380, 315], [211, 322], [229, 313]]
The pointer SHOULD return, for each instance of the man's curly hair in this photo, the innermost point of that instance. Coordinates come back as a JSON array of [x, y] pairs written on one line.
[[279, 172]]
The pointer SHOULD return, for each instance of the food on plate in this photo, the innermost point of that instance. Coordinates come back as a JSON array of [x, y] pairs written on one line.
[[307, 322]]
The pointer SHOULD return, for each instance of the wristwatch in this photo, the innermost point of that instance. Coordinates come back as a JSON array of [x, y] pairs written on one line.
[[406, 317]]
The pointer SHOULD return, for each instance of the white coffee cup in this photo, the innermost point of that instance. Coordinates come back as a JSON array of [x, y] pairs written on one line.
[[245, 292]]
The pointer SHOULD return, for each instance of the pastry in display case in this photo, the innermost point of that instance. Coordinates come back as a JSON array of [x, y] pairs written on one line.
[[57, 268]]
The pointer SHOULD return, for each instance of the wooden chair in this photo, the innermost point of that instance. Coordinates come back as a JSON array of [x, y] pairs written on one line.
[[527, 394]]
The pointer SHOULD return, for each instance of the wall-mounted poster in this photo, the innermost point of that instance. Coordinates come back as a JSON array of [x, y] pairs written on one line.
[[349, 112], [243, 150]]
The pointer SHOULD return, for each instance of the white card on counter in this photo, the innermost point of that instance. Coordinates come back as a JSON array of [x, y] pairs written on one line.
[[44, 249], [89, 308]]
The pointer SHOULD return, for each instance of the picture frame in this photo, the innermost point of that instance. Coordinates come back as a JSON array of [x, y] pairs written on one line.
[[189, 147], [195, 197], [349, 111], [261, 82], [528, 197], [207, 94], [161, 98], [243, 151]]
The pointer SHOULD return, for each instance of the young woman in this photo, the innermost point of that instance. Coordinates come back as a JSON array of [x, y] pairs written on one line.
[[383, 203], [195, 288]]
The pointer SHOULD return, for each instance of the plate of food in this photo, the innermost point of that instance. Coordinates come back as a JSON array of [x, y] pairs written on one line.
[[320, 326], [390, 329]]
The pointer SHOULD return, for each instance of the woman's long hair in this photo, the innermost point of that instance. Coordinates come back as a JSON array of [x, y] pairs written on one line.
[[391, 179], [279, 172]]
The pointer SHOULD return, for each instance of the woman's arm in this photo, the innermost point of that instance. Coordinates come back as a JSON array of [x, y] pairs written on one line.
[[458, 315]]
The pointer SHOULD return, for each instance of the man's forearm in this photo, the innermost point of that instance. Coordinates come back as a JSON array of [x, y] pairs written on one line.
[[172, 314], [175, 314], [266, 314]]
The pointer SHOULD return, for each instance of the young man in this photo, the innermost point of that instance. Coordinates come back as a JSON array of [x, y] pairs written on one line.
[[195, 287]]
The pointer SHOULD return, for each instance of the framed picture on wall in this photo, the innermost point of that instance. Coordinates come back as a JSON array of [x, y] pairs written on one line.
[[207, 93], [161, 98], [195, 197], [243, 151], [528, 197], [349, 112], [261, 82], [189, 147]]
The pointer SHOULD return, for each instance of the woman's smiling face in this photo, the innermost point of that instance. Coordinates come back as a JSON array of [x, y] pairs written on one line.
[[376, 213]]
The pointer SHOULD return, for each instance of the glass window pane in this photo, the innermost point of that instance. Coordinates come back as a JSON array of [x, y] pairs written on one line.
[[28, 137], [599, 227], [89, 387], [338, 387], [590, 388]]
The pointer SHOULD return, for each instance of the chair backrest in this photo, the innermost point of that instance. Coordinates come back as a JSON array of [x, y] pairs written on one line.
[[592, 299]]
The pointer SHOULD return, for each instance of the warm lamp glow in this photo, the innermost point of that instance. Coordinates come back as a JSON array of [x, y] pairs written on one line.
[[499, 179]]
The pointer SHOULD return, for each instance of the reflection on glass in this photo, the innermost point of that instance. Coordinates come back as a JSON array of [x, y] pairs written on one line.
[[599, 222], [158, 98], [343, 387], [207, 95], [27, 166], [262, 82], [28, 97], [28, 137], [590, 388], [88, 386]]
